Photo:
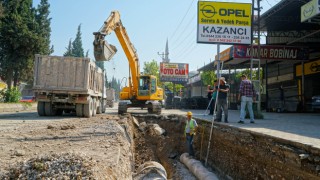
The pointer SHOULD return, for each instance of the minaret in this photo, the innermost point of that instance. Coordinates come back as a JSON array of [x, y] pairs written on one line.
[[166, 54]]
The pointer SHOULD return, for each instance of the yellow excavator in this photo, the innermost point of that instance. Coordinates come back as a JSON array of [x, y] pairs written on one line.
[[142, 90]]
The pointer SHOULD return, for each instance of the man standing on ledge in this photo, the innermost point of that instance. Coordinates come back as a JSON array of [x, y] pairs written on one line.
[[190, 131], [247, 96]]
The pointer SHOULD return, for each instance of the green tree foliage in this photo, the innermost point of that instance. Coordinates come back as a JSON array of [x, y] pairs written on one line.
[[1, 10], [69, 49], [100, 64], [77, 49], [87, 53], [21, 37], [208, 77], [10, 95], [152, 68], [44, 30], [174, 87]]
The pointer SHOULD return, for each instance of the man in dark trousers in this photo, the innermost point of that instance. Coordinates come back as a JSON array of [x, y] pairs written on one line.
[[222, 94]]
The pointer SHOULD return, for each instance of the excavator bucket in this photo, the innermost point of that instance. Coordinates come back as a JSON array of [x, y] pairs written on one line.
[[104, 51]]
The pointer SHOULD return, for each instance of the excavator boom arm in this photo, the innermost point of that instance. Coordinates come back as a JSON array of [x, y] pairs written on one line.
[[104, 51]]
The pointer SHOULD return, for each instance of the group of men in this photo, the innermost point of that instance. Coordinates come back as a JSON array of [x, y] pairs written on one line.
[[219, 93]]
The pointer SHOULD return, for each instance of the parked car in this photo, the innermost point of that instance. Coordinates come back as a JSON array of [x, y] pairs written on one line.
[[28, 99], [315, 103]]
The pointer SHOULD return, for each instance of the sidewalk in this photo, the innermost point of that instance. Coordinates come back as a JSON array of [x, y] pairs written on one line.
[[303, 128]]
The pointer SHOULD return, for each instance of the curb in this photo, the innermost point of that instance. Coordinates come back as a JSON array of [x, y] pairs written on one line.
[[16, 107]]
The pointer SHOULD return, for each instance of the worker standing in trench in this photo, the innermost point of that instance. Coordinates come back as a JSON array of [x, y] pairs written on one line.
[[190, 131]]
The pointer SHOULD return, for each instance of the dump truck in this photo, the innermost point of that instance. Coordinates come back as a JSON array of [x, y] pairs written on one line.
[[111, 97], [68, 84]]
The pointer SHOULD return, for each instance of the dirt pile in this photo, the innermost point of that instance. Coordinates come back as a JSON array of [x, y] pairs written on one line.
[[55, 166], [33, 146]]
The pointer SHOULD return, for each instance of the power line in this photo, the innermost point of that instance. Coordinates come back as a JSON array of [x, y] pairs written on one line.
[[186, 48], [182, 20], [186, 45], [186, 27], [186, 37]]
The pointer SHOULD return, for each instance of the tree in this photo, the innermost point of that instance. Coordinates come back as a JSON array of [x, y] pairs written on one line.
[[1, 10], [87, 53], [69, 49], [19, 39], [44, 30], [152, 68], [24, 31], [208, 77], [77, 48], [100, 64]]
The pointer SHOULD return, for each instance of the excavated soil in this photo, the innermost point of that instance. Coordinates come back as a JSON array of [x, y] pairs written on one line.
[[64, 147], [103, 147]]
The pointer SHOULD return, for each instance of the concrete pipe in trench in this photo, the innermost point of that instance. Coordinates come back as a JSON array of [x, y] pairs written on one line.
[[143, 171], [197, 168]]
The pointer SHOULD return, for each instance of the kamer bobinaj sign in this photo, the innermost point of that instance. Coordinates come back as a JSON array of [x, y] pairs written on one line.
[[224, 23], [270, 52]]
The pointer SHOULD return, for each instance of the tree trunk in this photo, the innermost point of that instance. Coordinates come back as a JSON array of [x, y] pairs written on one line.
[[9, 77], [15, 78]]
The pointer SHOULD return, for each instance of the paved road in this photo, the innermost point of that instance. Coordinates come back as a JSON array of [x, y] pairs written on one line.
[[299, 127]]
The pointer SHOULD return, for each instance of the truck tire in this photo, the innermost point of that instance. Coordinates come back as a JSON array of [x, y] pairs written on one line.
[[98, 107], [94, 107], [87, 109], [59, 112], [103, 106], [79, 110], [48, 109], [40, 109]]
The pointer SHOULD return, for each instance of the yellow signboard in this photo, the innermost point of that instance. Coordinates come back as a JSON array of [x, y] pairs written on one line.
[[309, 68], [309, 10], [223, 22]]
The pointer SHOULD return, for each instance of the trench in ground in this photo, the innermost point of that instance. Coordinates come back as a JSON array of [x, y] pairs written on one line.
[[234, 152], [164, 149]]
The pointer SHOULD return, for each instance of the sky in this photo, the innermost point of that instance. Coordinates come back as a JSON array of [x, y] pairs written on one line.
[[149, 24]]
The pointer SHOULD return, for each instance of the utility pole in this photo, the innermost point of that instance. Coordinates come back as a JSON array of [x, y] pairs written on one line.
[[256, 36]]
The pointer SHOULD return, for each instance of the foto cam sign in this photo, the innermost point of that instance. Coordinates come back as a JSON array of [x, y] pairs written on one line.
[[224, 23], [174, 72]]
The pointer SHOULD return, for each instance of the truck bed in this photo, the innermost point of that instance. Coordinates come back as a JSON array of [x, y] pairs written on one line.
[[70, 75]]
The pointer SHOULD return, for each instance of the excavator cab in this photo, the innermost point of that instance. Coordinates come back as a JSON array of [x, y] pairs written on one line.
[[147, 85]]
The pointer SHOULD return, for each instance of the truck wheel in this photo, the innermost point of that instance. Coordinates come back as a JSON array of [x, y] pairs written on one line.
[[103, 106], [98, 107], [94, 107], [59, 112], [79, 110], [48, 109], [87, 109], [40, 109]]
